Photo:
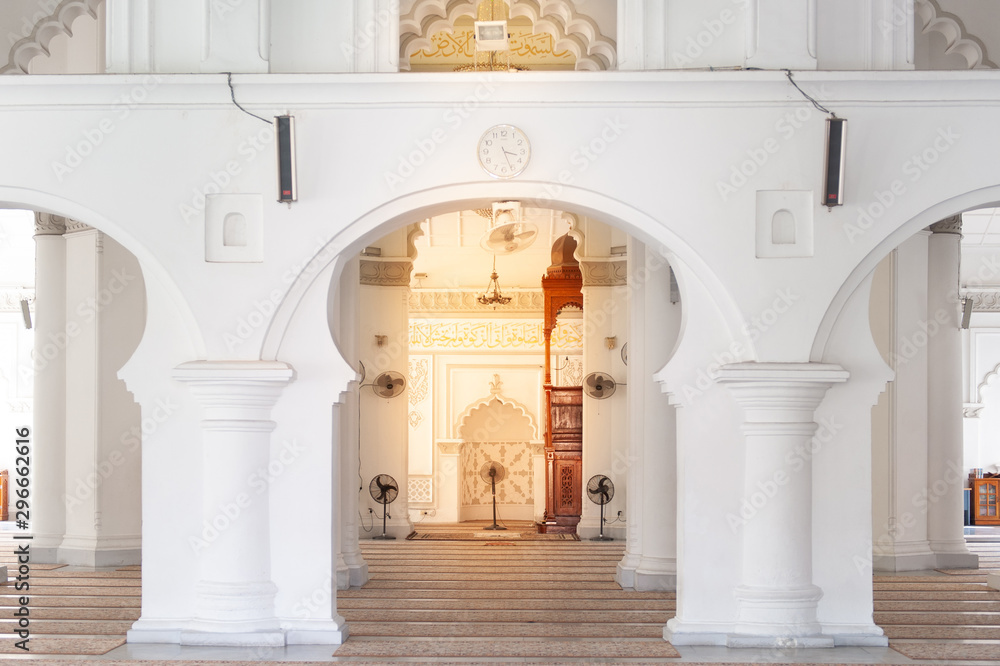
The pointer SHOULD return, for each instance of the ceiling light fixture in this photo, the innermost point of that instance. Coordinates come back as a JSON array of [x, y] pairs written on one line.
[[492, 295]]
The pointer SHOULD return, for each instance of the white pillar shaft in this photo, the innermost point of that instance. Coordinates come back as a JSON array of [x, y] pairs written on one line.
[[777, 599], [945, 470], [235, 593], [48, 514]]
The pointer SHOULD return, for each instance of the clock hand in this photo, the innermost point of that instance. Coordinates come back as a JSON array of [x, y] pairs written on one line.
[[505, 154]]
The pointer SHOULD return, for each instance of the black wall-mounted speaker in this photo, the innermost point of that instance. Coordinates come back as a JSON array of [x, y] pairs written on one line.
[[285, 129], [836, 147]]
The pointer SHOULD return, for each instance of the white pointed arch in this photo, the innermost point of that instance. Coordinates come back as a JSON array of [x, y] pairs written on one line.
[[59, 22], [485, 402], [573, 32], [930, 18]]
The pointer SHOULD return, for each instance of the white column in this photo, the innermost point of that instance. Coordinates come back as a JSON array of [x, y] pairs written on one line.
[[657, 569], [352, 570], [781, 34], [625, 574], [605, 422], [385, 432], [48, 514], [945, 469], [777, 598], [899, 445], [235, 593]]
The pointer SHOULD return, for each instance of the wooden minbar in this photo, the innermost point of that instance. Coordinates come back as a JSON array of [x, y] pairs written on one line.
[[562, 286]]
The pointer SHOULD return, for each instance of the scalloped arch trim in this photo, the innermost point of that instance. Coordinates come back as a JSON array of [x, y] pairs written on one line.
[[60, 22], [485, 402], [930, 18], [573, 32]]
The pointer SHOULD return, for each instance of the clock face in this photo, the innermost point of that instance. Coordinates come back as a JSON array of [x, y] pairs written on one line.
[[504, 151]]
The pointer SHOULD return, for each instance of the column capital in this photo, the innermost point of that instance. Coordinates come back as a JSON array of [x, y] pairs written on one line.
[[949, 225], [235, 391], [48, 224], [779, 392], [604, 273], [386, 273]]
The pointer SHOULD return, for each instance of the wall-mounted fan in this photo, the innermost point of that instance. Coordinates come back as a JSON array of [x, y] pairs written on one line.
[[493, 473], [599, 385], [389, 384], [508, 232], [600, 490], [384, 490]]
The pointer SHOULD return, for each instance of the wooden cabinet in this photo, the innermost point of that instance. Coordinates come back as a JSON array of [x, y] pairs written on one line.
[[985, 495]]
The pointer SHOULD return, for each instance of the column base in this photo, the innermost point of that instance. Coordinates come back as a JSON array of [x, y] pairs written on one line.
[[235, 608], [993, 580], [782, 642], [233, 639], [954, 555], [315, 632], [625, 571], [656, 574], [778, 612], [923, 561]]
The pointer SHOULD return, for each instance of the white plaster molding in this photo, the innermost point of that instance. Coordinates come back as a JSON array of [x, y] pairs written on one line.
[[986, 380], [930, 18], [949, 225], [971, 410], [59, 22], [573, 32], [604, 273], [449, 447], [485, 402], [10, 299], [47, 224], [388, 273], [459, 301], [983, 299], [72, 227]]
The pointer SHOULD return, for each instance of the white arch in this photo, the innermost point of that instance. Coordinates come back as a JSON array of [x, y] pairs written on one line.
[[931, 18], [485, 402], [423, 204], [60, 22], [577, 33], [982, 198]]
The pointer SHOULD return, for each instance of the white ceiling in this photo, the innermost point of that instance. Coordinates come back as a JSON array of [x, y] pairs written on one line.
[[450, 254], [981, 227]]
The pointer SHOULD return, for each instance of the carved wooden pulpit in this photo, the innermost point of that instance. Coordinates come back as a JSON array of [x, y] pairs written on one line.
[[562, 286]]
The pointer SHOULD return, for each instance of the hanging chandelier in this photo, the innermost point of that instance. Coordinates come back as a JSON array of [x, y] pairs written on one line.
[[492, 295]]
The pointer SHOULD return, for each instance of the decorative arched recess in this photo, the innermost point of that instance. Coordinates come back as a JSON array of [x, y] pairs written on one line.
[[60, 22], [931, 18], [984, 198], [987, 379], [485, 402], [573, 32]]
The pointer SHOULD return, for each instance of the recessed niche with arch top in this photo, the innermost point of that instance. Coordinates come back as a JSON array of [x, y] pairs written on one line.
[[784, 223], [234, 228]]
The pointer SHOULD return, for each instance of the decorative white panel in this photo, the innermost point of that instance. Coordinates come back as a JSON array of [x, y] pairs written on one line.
[[420, 490]]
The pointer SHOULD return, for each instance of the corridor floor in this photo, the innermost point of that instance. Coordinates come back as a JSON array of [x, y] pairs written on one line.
[[503, 600]]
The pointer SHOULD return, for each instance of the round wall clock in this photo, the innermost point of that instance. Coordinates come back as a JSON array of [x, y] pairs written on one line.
[[504, 151]]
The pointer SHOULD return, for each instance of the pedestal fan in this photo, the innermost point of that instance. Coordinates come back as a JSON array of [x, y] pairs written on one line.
[[600, 490], [384, 490], [493, 473]]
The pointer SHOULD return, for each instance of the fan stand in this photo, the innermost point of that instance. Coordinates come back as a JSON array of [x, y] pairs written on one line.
[[494, 526], [385, 512], [601, 537]]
